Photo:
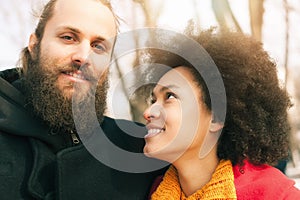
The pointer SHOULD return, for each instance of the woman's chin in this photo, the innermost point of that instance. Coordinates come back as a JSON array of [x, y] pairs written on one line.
[[158, 154], [149, 152]]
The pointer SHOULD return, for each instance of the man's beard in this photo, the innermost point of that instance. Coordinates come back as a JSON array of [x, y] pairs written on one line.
[[49, 104]]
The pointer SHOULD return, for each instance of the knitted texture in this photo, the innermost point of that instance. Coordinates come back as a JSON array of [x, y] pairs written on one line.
[[221, 185]]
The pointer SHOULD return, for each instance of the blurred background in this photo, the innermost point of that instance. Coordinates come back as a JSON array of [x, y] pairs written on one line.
[[275, 23]]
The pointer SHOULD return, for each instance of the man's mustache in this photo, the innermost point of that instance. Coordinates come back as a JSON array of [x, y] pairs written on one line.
[[86, 70]]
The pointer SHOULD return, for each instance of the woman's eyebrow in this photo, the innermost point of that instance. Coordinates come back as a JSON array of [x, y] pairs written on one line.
[[168, 87], [163, 89]]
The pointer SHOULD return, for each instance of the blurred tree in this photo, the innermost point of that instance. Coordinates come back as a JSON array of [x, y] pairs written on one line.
[[224, 15], [151, 11], [294, 114], [16, 26], [292, 83], [256, 12], [197, 15], [287, 40]]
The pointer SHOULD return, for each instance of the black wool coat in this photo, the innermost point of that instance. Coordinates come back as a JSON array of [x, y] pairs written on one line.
[[37, 162]]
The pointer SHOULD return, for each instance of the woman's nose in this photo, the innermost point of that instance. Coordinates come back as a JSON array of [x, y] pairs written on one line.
[[152, 112]]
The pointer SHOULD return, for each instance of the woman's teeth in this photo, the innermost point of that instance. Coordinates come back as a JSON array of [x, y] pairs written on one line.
[[153, 132]]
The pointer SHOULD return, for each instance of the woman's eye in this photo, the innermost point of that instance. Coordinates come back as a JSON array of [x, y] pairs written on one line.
[[170, 95], [151, 100]]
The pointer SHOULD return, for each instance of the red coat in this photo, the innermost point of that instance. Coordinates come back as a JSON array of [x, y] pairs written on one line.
[[258, 183], [263, 182]]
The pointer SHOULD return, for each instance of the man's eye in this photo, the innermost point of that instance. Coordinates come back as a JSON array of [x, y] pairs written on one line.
[[67, 37], [99, 48]]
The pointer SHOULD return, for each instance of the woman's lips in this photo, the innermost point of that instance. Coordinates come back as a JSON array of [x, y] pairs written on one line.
[[153, 131]]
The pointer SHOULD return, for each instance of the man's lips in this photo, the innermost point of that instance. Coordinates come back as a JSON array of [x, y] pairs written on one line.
[[78, 75], [75, 75]]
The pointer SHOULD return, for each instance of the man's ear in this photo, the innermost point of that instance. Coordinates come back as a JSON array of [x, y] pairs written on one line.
[[32, 43]]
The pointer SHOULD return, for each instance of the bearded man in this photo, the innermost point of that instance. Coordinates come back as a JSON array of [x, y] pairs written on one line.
[[65, 64]]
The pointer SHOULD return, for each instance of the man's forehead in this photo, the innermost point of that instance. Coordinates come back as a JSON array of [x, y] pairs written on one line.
[[85, 14], [62, 6]]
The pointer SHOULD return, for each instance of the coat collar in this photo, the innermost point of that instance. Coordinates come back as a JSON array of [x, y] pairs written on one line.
[[14, 119]]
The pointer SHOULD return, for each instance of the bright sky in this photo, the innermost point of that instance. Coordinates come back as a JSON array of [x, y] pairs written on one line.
[[176, 14], [17, 29]]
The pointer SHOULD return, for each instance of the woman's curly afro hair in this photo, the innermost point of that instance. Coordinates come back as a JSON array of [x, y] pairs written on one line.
[[256, 126]]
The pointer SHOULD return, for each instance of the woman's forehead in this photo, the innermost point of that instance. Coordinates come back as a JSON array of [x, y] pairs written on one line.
[[176, 79]]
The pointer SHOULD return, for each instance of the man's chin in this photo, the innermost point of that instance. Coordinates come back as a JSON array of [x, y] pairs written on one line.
[[77, 92], [67, 92]]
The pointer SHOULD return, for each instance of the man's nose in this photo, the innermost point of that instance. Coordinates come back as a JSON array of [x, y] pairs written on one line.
[[81, 53]]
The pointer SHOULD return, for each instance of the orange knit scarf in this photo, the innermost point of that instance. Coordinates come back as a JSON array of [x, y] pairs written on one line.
[[221, 186]]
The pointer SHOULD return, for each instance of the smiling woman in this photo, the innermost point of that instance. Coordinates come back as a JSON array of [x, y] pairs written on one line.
[[173, 118], [181, 121]]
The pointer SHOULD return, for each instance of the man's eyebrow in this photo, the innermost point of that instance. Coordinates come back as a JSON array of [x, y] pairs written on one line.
[[76, 30], [61, 28]]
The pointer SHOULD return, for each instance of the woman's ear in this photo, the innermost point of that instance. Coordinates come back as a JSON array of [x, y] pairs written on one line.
[[215, 126], [32, 43], [211, 138]]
